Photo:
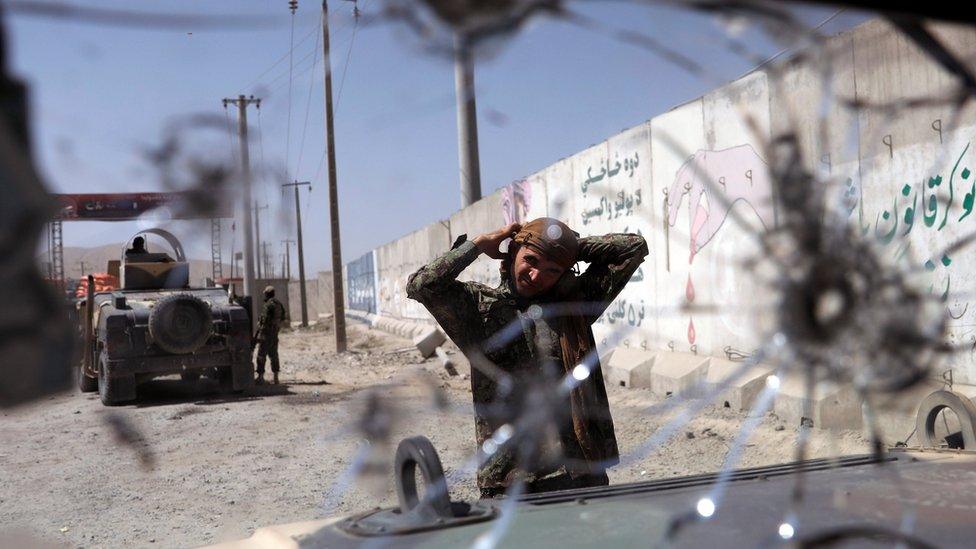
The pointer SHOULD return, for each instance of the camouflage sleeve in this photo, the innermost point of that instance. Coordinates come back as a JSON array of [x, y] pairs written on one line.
[[450, 301], [613, 259]]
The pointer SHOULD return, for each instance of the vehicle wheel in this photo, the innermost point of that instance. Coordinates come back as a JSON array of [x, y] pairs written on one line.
[[180, 323], [114, 390], [225, 378], [85, 383], [191, 375]]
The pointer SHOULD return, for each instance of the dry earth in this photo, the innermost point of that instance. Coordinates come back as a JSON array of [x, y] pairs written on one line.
[[203, 467]]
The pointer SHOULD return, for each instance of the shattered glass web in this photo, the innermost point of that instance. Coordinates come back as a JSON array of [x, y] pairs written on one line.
[[831, 360], [823, 194]]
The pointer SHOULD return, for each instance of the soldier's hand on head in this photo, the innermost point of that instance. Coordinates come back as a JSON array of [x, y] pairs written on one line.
[[488, 243]]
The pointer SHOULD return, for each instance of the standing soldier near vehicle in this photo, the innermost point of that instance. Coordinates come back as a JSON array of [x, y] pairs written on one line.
[[272, 316], [527, 340]]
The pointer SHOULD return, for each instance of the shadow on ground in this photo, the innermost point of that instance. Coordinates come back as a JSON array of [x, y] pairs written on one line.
[[166, 392]]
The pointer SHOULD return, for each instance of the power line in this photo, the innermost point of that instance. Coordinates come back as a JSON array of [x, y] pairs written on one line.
[[293, 4], [342, 81], [299, 73], [318, 170], [352, 41], [230, 135], [281, 75], [308, 107], [264, 168], [258, 78], [780, 53]]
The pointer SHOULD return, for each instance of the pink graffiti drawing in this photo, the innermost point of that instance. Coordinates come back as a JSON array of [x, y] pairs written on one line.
[[738, 173], [516, 201]]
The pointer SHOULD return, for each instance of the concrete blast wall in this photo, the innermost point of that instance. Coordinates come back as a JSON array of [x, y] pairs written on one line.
[[398, 260], [694, 182], [318, 295], [360, 277]]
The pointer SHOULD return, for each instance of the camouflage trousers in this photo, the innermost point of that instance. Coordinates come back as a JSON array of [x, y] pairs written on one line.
[[268, 348]]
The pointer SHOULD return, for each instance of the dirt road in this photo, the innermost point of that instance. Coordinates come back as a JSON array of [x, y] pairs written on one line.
[[186, 465]]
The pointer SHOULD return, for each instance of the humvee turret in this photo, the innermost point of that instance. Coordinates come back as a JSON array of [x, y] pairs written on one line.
[[155, 324]]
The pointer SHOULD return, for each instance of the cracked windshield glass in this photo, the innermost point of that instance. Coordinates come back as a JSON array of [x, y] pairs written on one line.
[[502, 273]]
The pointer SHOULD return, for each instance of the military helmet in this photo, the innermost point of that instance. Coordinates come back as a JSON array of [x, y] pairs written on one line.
[[269, 291]]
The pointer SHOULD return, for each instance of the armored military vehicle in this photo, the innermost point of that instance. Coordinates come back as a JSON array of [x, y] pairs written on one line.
[[859, 501], [911, 497], [155, 324]]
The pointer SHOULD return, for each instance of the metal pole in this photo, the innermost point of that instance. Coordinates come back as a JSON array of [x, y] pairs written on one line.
[[267, 262], [288, 243], [249, 290], [268, 267], [50, 253], [467, 123], [301, 260], [338, 307], [232, 254], [257, 236], [301, 248]]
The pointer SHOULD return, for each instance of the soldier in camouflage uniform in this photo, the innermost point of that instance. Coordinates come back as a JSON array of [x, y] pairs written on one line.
[[534, 327], [272, 315]]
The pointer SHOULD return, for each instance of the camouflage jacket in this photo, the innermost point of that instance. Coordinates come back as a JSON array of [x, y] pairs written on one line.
[[272, 316], [495, 327]]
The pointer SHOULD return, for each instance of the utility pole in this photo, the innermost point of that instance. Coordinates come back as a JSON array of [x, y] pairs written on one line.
[[467, 123], [257, 235], [242, 103], [337, 302], [233, 252], [237, 258], [301, 256], [83, 271], [267, 264], [288, 243], [50, 253]]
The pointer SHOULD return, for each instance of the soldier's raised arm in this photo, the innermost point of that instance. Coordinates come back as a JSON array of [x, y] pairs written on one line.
[[450, 301], [613, 259]]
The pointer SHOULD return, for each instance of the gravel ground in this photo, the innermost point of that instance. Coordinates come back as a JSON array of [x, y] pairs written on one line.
[[186, 465]]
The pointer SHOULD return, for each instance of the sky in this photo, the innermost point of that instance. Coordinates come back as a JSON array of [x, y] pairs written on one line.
[[103, 94]]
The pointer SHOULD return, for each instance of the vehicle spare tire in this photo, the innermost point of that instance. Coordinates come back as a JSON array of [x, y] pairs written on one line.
[[180, 323]]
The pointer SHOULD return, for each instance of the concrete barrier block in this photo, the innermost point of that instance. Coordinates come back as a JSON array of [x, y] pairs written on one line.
[[678, 373], [739, 393], [429, 341], [832, 406], [386, 324], [629, 368]]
